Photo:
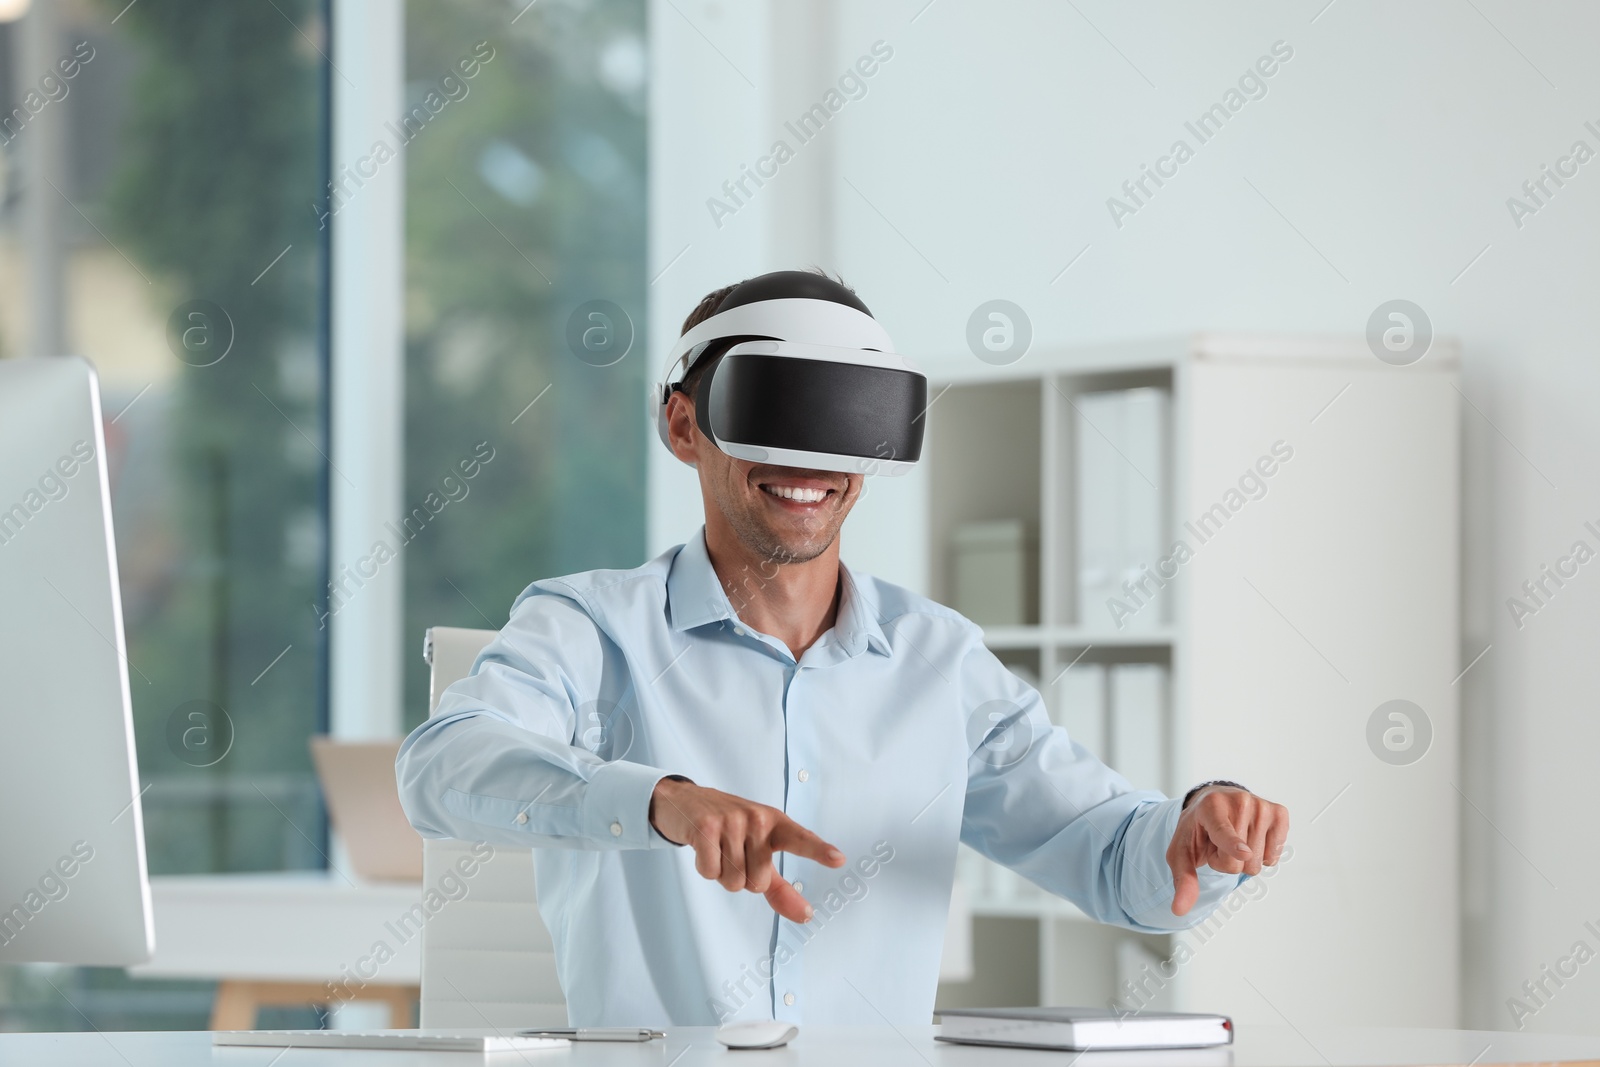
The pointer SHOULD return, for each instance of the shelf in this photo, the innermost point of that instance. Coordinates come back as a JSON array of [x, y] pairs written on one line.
[[1028, 637], [1161, 353], [1031, 441]]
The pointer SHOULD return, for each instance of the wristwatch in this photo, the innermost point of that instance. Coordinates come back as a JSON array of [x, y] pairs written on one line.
[[1217, 781]]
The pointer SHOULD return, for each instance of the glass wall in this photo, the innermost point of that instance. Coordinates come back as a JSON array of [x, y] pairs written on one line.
[[159, 163], [525, 274], [161, 215]]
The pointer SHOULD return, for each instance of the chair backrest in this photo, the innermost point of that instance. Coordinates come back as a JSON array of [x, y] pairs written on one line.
[[487, 958]]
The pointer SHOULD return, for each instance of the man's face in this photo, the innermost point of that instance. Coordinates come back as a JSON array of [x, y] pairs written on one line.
[[785, 514]]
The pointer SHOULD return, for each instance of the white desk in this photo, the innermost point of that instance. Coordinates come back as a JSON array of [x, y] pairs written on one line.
[[841, 1047], [277, 938]]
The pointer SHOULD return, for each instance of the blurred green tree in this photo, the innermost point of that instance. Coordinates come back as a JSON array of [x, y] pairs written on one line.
[[217, 169], [524, 199]]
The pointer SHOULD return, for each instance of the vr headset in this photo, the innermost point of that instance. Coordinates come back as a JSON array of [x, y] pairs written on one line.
[[801, 375]]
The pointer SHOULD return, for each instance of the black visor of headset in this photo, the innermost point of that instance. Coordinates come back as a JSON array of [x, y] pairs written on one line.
[[795, 402], [812, 406]]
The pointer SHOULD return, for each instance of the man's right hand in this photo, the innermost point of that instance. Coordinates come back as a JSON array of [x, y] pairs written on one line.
[[734, 839]]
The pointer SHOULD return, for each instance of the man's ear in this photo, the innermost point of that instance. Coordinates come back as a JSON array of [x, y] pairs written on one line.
[[682, 432]]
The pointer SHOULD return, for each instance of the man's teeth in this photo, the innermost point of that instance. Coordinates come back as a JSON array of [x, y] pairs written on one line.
[[795, 493]]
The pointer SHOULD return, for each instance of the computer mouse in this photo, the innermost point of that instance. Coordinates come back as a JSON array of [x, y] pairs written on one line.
[[759, 1033]]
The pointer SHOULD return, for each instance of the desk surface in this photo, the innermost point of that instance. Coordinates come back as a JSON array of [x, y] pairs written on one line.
[[823, 1046]]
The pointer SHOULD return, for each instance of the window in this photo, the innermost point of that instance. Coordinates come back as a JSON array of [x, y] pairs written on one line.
[[163, 215], [525, 275], [160, 165]]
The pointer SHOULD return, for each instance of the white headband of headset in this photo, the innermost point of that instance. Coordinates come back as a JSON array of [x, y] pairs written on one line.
[[803, 320]]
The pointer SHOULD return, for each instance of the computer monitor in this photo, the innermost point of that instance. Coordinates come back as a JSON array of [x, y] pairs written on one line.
[[73, 885]]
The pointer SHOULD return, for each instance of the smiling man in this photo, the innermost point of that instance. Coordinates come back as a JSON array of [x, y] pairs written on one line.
[[745, 768]]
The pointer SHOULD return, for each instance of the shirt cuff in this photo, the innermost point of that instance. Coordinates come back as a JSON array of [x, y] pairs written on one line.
[[1154, 910], [616, 805]]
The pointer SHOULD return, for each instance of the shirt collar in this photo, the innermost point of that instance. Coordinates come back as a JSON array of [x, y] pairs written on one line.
[[695, 597], [857, 624]]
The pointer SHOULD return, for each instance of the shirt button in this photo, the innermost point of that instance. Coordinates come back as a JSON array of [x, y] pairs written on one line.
[[799, 887], [522, 818], [804, 775], [788, 998], [739, 630], [616, 829]]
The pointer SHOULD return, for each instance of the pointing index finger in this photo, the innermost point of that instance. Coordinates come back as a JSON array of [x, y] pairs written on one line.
[[789, 836]]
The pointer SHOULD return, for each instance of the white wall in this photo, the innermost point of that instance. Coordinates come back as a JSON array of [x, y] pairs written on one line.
[[723, 86], [705, 117], [1377, 166]]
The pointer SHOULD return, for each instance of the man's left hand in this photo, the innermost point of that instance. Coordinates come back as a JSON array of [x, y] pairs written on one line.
[[1227, 829]]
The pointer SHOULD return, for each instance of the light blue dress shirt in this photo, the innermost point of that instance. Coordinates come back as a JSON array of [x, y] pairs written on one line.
[[893, 737]]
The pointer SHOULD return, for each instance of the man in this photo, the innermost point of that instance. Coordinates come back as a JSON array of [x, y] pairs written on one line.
[[743, 767]]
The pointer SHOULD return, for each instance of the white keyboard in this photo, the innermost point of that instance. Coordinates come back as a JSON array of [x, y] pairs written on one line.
[[432, 1040]]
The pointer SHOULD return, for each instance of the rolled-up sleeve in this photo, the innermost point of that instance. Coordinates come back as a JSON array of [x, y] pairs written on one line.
[[498, 761], [1041, 804]]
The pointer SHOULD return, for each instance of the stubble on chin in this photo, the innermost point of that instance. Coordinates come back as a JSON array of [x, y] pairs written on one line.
[[756, 534], [766, 542]]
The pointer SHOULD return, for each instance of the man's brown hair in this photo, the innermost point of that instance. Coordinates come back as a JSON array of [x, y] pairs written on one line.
[[704, 310]]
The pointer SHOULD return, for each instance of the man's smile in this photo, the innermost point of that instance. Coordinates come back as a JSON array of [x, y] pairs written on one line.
[[798, 494]]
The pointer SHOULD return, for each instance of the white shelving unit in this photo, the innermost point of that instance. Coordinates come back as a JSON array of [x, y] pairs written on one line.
[[1310, 606]]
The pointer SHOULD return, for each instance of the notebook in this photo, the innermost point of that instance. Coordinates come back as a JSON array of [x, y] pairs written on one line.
[[1082, 1029], [432, 1040]]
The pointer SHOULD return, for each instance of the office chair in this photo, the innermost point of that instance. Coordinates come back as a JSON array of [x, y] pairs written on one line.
[[487, 959]]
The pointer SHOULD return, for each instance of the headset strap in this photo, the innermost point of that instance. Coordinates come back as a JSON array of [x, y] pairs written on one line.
[[805, 320]]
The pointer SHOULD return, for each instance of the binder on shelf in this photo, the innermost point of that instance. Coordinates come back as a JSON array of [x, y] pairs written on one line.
[[1144, 475], [1120, 445], [1139, 736], [1099, 506], [1079, 704]]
